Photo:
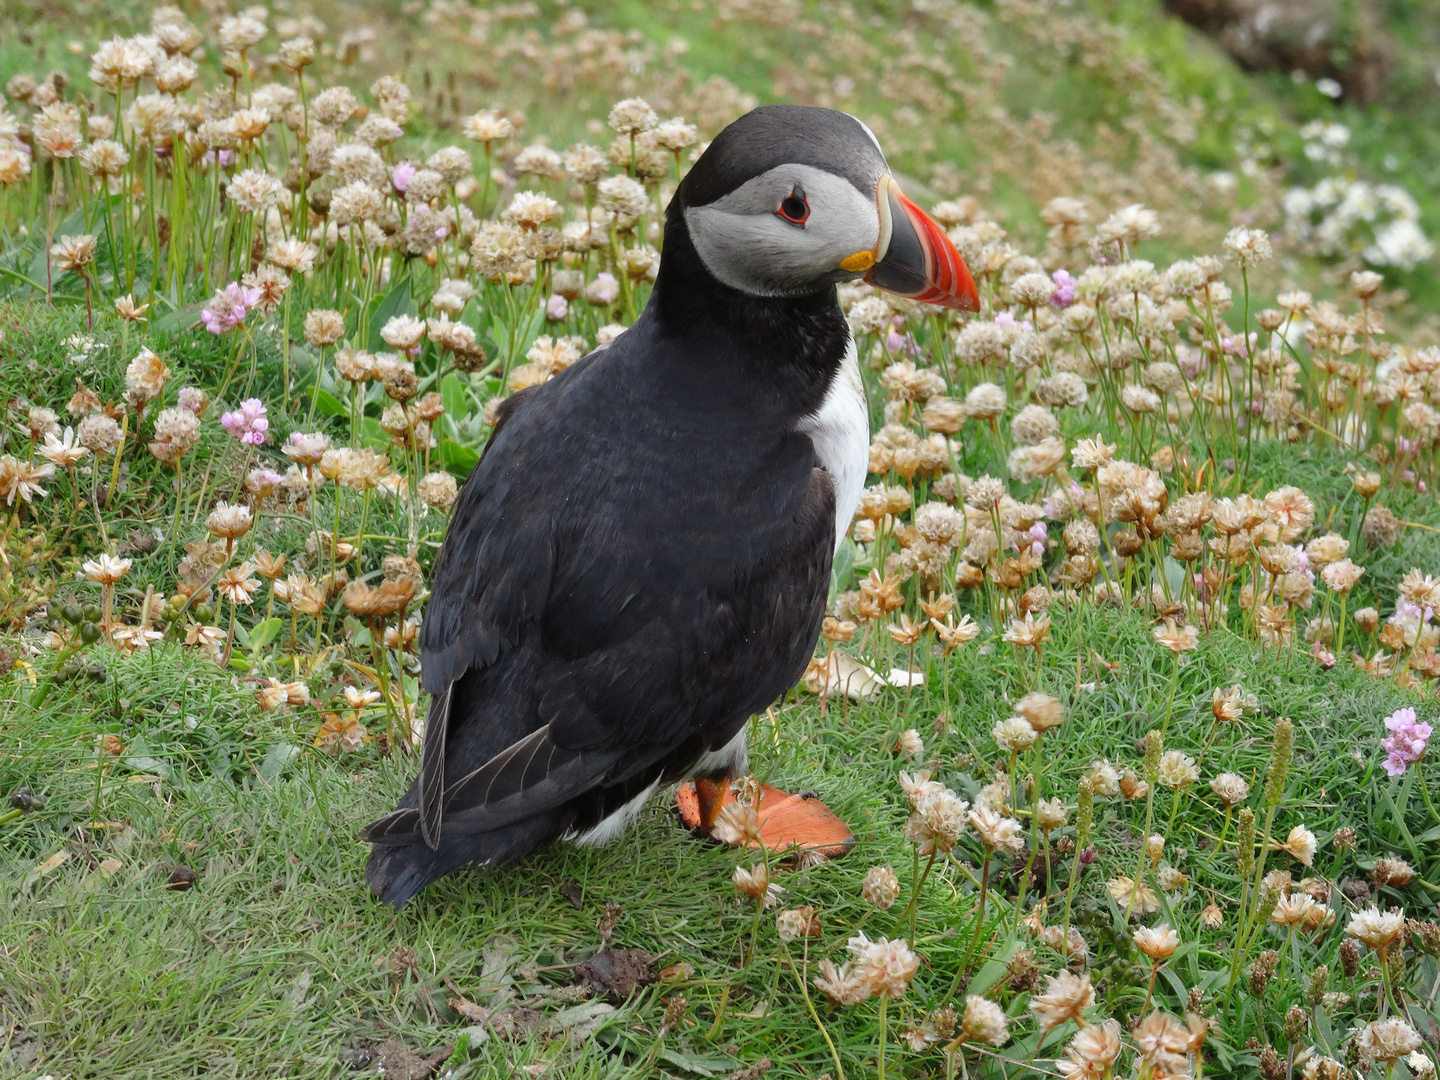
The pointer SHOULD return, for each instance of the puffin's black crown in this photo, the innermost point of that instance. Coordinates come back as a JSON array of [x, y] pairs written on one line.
[[775, 135]]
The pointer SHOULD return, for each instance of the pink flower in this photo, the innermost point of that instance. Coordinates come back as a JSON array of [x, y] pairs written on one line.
[[1323, 656], [261, 482], [228, 307], [401, 175], [1405, 744], [604, 290], [219, 157], [247, 423], [1405, 612], [901, 344], [1191, 361], [1236, 345], [1039, 533], [193, 399], [557, 307], [1064, 294]]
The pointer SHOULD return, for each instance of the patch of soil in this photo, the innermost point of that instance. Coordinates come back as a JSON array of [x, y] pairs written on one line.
[[617, 973], [398, 1062]]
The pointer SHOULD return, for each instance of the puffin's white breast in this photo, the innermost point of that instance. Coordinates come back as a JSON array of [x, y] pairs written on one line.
[[840, 430]]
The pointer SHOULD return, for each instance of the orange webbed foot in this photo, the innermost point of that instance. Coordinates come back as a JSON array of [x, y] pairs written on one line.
[[798, 825]]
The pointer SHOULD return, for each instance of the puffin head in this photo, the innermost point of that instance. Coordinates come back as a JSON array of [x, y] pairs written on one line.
[[791, 200]]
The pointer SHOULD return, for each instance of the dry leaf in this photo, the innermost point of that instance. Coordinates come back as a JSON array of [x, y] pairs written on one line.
[[571, 892], [468, 1009], [54, 862], [840, 674]]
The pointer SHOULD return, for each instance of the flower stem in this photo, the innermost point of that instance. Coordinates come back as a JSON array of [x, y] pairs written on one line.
[[979, 926], [880, 1061], [1425, 791], [810, 1008]]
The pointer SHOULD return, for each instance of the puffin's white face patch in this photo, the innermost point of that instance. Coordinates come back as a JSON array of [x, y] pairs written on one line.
[[747, 245]]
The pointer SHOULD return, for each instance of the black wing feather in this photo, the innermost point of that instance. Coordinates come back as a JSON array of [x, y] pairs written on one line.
[[527, 778], [432, 767]]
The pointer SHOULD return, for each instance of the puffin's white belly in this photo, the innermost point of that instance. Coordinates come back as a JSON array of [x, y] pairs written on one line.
[[840, 430]]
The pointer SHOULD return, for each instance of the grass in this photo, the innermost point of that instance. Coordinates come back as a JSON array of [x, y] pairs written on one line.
[[277, 959]]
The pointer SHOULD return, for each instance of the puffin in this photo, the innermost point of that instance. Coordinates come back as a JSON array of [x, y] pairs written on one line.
[[640, 561]]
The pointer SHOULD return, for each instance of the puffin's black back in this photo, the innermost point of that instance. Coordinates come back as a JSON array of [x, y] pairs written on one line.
[[637, 565]]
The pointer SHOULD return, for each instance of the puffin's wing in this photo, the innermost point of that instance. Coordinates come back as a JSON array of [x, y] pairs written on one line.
[[727, 592], [471, 613], [432, 766], [698, 653]]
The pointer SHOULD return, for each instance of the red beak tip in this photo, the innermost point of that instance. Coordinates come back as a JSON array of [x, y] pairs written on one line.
[[950, 283]]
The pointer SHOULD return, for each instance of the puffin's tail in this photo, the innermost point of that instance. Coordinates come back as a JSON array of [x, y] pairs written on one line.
[[396, 872], [523, 797]]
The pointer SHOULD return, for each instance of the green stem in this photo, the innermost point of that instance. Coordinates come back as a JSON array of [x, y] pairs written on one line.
[[1225, 828], [1070, 896], [1245, 935], [979, 926], [1144, 843], [918, 877], [1174, 681], [880, 1062], [1425, 791], [1150, 990], [1174, 808], [810, 1008]]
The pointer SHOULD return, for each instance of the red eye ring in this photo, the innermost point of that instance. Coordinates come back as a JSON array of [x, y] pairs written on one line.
[[794, 208]]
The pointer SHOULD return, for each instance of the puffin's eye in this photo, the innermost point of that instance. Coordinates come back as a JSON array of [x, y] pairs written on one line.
[[794, 208]]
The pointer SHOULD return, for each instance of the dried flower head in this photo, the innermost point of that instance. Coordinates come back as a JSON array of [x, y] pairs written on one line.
[[1301, 844], [1178, 639], [1093, 1052], [1375, 928], [1066, 997], [795, 923], [1138, 899], [1230, 788], [1158, 943], [1387, 1040], [756, 884], [997, 832], [881, 887], [1041, 710], [984, 1022]]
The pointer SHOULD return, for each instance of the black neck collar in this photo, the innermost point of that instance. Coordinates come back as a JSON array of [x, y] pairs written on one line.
[[788, 349]]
